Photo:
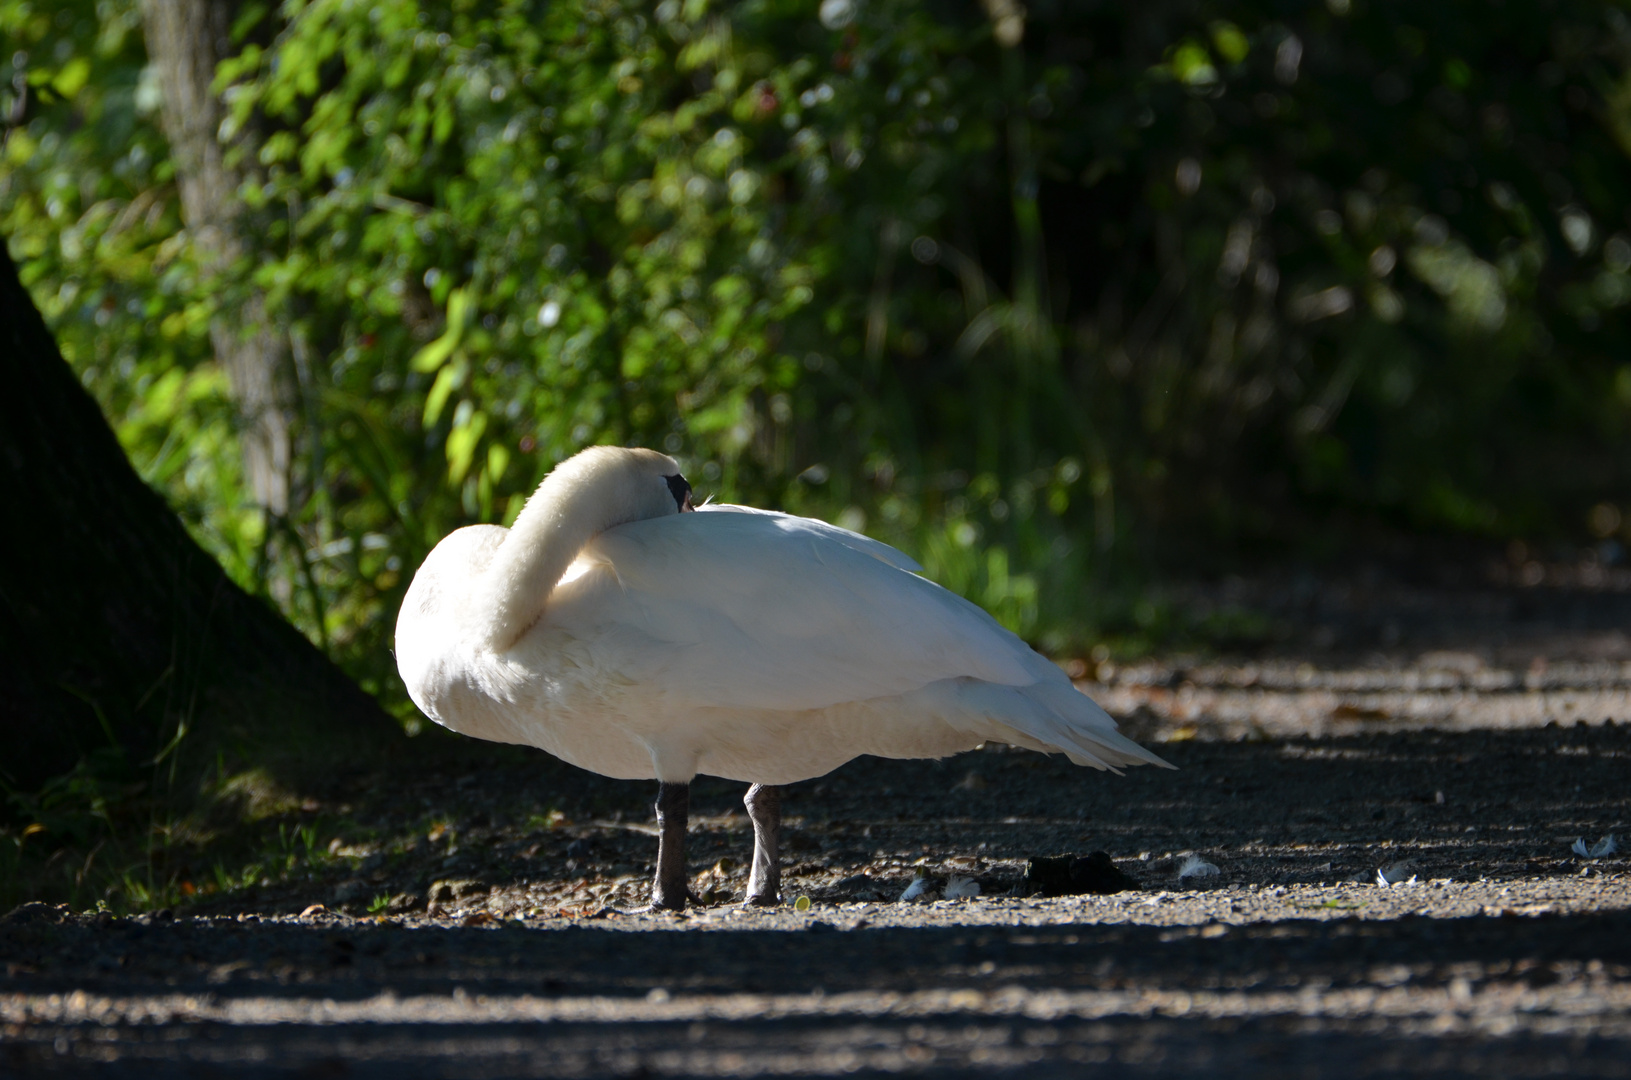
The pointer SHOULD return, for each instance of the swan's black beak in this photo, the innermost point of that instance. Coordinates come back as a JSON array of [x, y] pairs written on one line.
[[681, 490]]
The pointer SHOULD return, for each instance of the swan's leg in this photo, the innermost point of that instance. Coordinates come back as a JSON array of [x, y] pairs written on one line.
[[764, 805], [668, 888]]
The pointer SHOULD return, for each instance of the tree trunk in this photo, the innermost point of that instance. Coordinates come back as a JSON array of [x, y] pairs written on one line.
[[186, 39], [117, 631]]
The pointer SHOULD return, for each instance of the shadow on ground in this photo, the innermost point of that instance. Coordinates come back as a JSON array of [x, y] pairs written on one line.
[[1528, 997], [517, 833]]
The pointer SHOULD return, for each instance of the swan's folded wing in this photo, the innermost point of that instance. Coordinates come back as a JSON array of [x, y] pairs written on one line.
[[767, 611]]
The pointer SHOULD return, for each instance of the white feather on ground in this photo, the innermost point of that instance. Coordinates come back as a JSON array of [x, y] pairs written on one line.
[[1604, 847], [1196, 867]]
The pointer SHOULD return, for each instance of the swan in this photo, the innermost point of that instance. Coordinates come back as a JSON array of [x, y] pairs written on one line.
[[628, 632]]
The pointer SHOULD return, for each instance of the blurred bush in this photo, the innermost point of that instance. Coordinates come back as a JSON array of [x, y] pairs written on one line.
[[1054, 296]]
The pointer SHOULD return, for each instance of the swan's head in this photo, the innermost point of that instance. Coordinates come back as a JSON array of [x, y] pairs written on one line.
[[628, 483], [505, 585]]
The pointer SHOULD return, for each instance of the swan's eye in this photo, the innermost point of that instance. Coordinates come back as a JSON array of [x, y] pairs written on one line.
[[681, 490]]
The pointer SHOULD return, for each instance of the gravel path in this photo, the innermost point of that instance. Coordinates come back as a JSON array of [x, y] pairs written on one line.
[[1463, 763], [1334, 982]]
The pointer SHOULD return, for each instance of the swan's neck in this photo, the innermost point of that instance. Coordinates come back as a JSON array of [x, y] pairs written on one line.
[[560, 518]]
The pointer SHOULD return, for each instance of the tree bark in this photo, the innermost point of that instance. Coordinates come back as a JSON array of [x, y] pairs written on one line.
[[117, 631], [186, 39]]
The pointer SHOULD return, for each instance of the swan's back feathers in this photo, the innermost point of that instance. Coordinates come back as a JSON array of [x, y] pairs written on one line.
[[759, 613], [750, 611], [792, 525]]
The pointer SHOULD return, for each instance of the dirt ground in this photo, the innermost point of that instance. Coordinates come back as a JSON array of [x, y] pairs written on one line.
[[1458, 735]]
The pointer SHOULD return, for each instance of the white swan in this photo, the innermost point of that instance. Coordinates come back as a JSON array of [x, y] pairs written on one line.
[[630, 638]]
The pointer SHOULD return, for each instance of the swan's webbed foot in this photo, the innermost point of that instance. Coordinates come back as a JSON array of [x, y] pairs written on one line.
[[764, 805], [654, 908], [669, 888]]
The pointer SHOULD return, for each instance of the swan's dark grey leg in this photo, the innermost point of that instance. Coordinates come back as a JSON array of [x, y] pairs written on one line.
[[764, 805], [668, 888]]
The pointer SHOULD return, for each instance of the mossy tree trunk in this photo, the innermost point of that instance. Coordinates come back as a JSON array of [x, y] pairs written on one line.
[[187, 40], [119, 635]]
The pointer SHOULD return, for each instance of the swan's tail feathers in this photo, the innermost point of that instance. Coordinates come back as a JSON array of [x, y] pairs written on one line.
[[1084, 718], [1048, 719]]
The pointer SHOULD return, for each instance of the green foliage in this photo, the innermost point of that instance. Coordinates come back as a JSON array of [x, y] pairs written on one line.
[[515, 232], [1156, 283], [88, 205]]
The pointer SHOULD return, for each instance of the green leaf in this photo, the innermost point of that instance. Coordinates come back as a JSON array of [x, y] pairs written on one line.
[[446, 382], [498, 461], [461, 444], [72, 77], [1191, 63], [1230, 42], [435, 354]]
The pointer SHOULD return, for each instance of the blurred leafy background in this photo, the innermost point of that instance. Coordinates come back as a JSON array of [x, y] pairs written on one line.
[[1059, 297]]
